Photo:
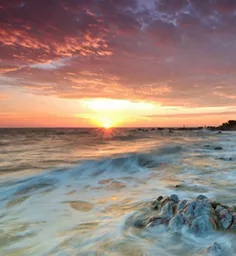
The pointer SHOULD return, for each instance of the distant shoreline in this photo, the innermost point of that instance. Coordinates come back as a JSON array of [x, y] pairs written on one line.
[[228, 126]]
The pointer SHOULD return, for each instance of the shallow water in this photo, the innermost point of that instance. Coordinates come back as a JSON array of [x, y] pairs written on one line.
[[71, 191]]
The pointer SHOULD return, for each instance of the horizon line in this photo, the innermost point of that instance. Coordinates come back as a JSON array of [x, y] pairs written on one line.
[[117, 127]]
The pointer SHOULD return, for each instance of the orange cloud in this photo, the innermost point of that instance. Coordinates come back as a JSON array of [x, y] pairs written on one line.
[[225, 95], [134, 50], [8, 69], [12, 37], [69, 46]]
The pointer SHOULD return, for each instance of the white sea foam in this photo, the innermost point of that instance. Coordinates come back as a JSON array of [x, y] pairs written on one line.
[[70, 192]]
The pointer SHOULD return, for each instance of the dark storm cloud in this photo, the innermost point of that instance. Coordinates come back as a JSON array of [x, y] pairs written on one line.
[[225, 6], [43, 30], [171, 6], [163, 33], [177, 52]]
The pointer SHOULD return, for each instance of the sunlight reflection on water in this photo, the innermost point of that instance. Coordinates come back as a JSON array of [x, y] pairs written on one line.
[[82, 207]]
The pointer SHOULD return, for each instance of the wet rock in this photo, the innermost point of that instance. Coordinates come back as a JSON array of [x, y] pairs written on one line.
[[203, 208], [233, 208], [218, 148], [168, 210], [202, 225], [225, 218], [156, 204], [216, 206], [215, 250], [212, 147], [200, 216], [233, 225], [139, 219], [156, 221], [219, 208], [181, 205], [174, 198], [202, 197], [188, 211], [164, 200], [178, 186], [177, 223], [225, 159]]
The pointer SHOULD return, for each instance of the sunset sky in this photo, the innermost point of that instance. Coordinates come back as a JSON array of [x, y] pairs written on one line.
[[80, 63]]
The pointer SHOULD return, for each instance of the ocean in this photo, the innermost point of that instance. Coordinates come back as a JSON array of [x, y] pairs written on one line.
[[70, 191]]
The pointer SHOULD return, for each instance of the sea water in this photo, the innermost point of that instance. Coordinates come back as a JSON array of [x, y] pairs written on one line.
[[70, 191]]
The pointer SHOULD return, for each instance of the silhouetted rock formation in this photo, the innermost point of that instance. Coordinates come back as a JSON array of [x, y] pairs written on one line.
[[229, 126]]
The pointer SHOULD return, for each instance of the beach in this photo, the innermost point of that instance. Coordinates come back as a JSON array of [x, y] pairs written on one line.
[[71, 191]]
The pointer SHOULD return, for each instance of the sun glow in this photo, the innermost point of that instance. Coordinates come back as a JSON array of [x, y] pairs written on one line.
[[115, 105], [106, 125], [109, 113]]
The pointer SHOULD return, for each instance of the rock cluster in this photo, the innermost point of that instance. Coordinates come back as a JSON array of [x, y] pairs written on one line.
[[200, 216], [229, 126]]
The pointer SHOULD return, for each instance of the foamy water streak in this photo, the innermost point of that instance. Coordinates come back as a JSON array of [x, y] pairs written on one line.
[[71, 192]]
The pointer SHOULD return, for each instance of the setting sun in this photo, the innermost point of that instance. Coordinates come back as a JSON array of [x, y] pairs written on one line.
[[107, 125], [107, 113]]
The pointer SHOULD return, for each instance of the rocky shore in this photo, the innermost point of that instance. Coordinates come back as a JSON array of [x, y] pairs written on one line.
[[200, 217], [228, 126]]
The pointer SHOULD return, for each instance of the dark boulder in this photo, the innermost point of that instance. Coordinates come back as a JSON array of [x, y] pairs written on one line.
[[174, 198], [177, 223], [181, 205], [202, 197], [200, 216], [202, 225], [225, 218], [168, 209], [218, 148]]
